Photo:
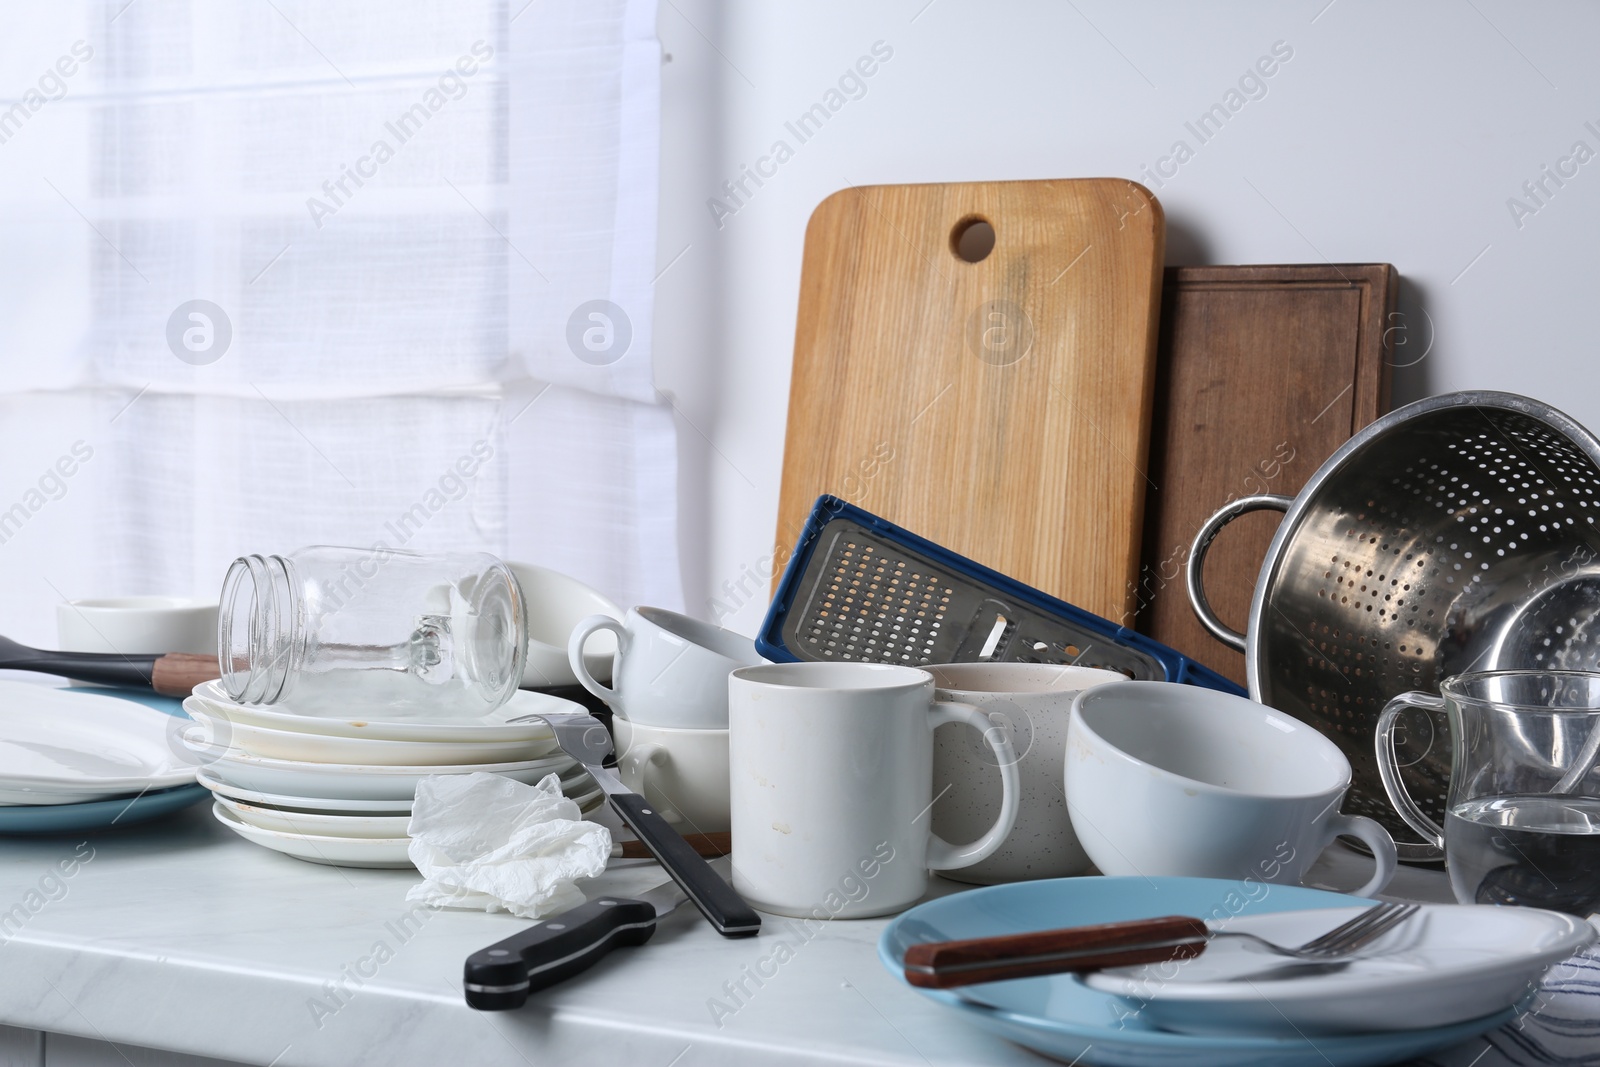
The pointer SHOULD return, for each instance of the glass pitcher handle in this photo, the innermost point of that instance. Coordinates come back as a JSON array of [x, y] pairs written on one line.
[[1389, 770]]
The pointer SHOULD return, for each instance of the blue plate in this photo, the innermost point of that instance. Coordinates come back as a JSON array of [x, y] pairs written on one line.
[[1060, 1016], [98, 814]]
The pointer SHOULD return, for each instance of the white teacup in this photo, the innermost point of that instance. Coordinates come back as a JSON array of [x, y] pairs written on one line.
[[137, 625], [1167, 779], [683, 773], [832, 785], [670, 670], [1032, 702]]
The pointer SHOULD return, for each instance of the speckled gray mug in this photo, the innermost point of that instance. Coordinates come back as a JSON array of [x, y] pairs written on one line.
[[1032, 702]]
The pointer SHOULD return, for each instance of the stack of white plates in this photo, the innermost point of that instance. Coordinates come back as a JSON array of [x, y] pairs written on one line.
[[339, 790]]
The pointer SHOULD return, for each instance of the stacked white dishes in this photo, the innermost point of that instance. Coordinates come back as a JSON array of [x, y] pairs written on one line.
[[339, 790]]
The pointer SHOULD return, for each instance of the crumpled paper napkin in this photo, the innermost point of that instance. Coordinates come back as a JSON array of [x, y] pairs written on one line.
[[484, 841]]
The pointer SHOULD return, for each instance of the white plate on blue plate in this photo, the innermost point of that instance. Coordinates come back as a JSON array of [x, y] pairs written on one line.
[[1060, 1016], [98, 814], [1446, 964], [62, 746]]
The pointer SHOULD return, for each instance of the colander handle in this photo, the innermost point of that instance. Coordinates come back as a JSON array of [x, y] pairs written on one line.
[[1389, 771], [1197, 561]]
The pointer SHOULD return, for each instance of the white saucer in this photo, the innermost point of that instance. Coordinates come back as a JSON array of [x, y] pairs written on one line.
[[382, 852], [308, 805], [495, 726], [575, 783], [343, 781], [316, 823], [61, 746], [1447, 964], [225, 731]]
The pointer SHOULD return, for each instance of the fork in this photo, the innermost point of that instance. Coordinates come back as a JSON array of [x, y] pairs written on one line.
[[946, 964]]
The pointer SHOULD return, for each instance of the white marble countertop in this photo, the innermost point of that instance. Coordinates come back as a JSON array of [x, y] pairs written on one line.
[[181, 936]]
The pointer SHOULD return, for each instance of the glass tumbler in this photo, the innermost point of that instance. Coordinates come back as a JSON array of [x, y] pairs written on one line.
[[328, 630], [1522, 814]]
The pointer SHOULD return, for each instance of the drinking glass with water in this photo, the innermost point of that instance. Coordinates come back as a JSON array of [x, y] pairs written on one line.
[[1522, 816]]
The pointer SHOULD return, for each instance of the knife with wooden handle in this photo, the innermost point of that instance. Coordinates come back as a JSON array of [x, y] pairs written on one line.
[[946, 964]]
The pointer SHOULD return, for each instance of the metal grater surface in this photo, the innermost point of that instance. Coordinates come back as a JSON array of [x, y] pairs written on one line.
[[862, 597]]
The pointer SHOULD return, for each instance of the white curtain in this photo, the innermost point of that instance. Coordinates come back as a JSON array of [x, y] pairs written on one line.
[[278, 272]]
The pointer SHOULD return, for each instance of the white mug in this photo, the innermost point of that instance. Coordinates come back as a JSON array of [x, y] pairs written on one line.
[[682, 773], [1032, 702], [670, 670], [832, 775], [1166, 779]]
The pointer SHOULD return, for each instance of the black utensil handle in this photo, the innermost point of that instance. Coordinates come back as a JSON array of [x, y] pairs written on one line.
[[722, 907], [106, 668], [501, 976]]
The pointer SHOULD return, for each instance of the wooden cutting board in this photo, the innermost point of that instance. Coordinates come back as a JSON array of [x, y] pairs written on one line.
[[1263, 372], [997, 404]]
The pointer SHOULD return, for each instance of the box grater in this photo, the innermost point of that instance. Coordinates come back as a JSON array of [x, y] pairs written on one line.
[[858, 587]]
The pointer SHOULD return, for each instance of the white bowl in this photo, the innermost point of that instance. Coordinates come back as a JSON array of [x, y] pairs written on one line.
[[137, 625], [555, 604]]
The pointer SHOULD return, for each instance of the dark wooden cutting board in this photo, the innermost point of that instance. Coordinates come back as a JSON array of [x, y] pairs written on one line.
[[1262, 372]]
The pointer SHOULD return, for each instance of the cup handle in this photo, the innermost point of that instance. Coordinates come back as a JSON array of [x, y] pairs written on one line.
[[942, 855], [1375, 837], [575, 643], [1414, 816], [633, 767]]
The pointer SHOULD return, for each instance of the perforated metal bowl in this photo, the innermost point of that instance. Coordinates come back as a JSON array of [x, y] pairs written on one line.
[[1460, 533]]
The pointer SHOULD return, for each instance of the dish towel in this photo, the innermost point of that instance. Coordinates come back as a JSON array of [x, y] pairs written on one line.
[[486, 842]]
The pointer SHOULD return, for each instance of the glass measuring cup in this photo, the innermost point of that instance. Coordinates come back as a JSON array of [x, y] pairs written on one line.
[[1522, 815]]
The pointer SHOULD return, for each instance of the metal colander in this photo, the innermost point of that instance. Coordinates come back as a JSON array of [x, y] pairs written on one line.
[[1460, 533]]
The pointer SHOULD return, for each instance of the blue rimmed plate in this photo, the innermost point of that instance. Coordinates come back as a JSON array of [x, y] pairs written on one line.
[[1060, 1016], [98, 814]]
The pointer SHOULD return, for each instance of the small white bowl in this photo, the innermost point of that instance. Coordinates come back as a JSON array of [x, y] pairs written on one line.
[[137, 625], [556, 603]]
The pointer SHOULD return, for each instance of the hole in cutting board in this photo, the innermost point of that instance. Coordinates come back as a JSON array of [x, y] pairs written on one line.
[[972, 239]]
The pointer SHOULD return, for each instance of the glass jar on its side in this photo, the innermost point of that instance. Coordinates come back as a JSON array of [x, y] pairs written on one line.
[[329, 630]]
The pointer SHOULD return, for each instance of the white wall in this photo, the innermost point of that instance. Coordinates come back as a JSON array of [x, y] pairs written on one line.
[[1395, 133]]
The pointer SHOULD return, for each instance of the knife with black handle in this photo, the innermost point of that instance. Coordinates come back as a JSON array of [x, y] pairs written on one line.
[[582, 737], [500, 977]]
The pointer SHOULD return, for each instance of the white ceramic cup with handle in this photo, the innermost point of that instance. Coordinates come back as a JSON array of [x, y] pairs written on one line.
[[1032, 702], [670, 670], [1167, 779], [682, 773], [832, 783]]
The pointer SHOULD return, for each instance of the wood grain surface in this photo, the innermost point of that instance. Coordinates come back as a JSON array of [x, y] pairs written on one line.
[[1263, 372], [946, 964], [999, 407]]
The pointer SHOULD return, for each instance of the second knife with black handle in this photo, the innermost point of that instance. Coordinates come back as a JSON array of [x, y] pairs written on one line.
[[582, 737]]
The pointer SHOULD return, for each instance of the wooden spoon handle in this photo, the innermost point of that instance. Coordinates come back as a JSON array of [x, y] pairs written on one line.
[[945, 964], [177, 673]]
